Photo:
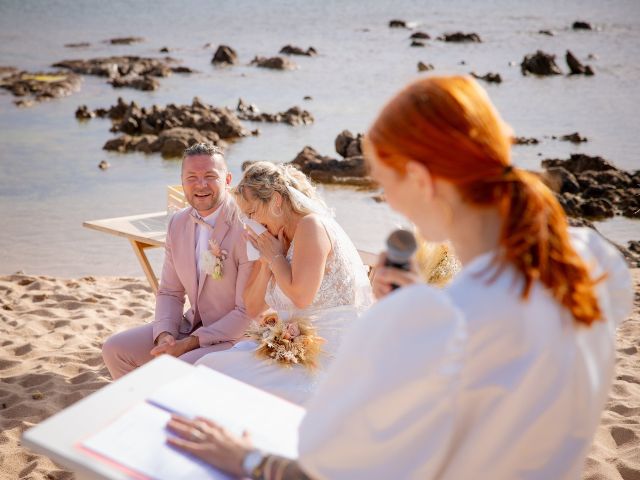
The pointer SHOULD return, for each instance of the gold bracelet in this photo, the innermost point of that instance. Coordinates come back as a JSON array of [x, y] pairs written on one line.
[[281, 466], [258, 473]]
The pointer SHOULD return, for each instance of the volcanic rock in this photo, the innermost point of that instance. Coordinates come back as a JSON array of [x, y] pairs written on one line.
[[125, 40], [580, 25], [77, 45], [40, 85], [293, 116], [275, 63], [420, 36], [351, 170], [525, 141], [576, 67], [293, 50], [489, 77], [397, 24], [592, 187], [83, 113], [574, 138], [225, 55], [168, 129], [460, 37], [540, 63]]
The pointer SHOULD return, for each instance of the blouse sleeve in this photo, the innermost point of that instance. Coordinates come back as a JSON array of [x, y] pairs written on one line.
[[386, 408], [616, 288]]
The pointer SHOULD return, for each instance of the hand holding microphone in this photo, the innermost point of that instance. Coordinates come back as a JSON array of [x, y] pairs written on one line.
[[395, 267]]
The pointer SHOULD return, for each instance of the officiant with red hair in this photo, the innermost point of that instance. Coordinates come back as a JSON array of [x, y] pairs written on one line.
[[504, 373]]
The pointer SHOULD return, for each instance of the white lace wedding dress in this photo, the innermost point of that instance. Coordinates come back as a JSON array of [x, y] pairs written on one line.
[[343, 294]]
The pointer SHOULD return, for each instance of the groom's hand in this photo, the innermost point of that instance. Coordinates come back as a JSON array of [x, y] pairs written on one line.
[[174, 347], [164, 343]]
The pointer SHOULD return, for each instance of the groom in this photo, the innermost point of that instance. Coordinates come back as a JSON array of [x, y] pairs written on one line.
[[200, 239]]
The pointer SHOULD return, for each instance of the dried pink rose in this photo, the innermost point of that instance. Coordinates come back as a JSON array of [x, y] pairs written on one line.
[[215, 248], [291, 331]]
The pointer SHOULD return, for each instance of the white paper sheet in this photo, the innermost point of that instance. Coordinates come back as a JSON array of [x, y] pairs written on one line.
[[271, 421], [137, 441]]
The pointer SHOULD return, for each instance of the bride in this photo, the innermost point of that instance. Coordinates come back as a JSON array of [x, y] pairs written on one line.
[[308, 267]]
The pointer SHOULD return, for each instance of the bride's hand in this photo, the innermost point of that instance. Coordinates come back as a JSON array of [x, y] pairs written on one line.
[[385, 277], [210, 442], [269, 246]]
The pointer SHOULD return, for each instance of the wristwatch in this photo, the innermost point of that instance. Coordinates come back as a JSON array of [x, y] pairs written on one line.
[[251, 462]]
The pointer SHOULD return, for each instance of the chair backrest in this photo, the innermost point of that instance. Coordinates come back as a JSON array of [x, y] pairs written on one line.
[[370, 260], [175, 199]]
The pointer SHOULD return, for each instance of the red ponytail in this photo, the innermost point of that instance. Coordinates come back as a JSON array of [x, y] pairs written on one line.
[[450, 125]]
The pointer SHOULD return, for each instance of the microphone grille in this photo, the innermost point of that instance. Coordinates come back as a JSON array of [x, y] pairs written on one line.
[[401, 245]]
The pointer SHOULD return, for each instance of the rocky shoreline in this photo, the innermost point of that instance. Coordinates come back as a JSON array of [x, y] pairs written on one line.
[[38, 86], [170, 129], [589, 188]]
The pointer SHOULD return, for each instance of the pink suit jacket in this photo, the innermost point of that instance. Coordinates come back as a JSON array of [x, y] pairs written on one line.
[[218, 302]]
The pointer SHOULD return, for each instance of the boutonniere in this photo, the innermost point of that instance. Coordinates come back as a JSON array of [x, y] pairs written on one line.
[[211, 260]]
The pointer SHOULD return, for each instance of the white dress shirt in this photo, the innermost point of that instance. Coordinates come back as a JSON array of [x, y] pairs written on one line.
[[202, 235], [470, 382]]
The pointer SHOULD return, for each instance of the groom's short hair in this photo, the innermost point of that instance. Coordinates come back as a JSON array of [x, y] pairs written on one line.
[[205, 149]]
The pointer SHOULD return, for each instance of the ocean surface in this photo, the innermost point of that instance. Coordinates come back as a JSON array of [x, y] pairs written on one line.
[[49, 179]]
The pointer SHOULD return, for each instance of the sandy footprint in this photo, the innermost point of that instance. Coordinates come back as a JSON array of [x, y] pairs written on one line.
[[6, 364], [22, 350], [623, 435]]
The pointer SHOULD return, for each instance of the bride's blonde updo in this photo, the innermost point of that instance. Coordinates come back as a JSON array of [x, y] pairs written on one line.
[[263, 179]]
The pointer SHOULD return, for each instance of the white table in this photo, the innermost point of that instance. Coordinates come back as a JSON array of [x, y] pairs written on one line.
[[58, 436], [143, 231]]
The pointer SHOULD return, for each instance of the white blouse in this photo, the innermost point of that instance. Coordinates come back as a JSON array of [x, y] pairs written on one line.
[[469, 382]]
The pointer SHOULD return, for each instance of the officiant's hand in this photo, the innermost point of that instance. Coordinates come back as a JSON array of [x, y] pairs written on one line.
[[269, 246], [384, 277], [210, 442]]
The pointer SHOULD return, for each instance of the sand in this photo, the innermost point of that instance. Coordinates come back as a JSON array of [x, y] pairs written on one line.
[[51, 331]]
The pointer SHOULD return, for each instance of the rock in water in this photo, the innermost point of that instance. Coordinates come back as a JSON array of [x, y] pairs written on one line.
[[420, 36], [540, 63], [580, 25], [576, 67], [397, 24], [125, 40], [424, 67], [225, 55], [460, 37], [489, 77], [293, 50], [275, 63]]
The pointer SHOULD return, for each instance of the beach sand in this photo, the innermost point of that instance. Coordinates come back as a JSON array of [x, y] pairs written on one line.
[[51, 330]]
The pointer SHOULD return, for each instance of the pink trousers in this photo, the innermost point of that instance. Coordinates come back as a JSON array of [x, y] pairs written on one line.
[[126, 351]]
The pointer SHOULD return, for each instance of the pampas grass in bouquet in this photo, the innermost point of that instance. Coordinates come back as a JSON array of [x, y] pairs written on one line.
[[294, 342]]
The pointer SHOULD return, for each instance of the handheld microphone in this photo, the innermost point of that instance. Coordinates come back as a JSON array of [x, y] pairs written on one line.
[[401, 245]]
